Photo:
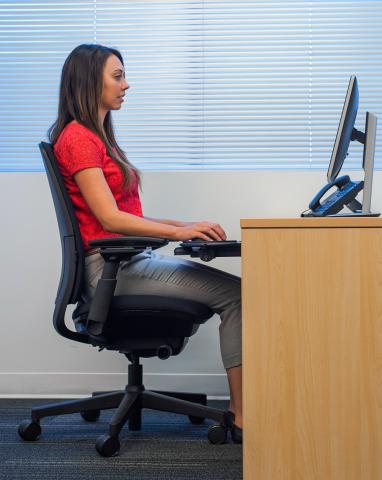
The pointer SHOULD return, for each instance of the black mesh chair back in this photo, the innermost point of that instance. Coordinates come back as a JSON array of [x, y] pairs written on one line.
[[70, 286]]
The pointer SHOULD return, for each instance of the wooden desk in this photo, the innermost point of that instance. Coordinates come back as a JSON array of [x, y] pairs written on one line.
[[312, 348]]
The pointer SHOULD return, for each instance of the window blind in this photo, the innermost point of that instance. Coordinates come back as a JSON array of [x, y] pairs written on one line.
[[214, 84]]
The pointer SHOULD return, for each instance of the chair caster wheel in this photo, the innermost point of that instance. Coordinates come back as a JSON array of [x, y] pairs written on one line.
[[29, 431], [107, 446], [217, 434], [90, 415], [196, 420]]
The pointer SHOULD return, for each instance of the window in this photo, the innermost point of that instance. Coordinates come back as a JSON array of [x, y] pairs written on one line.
[[214, 84]]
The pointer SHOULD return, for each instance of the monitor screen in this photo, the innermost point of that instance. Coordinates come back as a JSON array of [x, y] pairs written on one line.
[[345, 128]]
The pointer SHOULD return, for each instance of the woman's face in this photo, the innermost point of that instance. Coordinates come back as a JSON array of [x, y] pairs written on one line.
[[114, 84]]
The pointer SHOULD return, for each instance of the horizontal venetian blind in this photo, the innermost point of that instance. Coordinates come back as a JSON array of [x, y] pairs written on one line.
[[214, 84], [345, 38]]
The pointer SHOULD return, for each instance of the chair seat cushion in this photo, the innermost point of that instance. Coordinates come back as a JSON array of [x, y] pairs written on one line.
[[149, 316], [158, 305]]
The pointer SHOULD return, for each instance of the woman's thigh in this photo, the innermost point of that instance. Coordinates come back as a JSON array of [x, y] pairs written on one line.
[[155, 274]]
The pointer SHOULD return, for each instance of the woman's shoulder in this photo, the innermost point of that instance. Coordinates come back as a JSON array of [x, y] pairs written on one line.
[[78, 147], [75, 135], [77, 131]]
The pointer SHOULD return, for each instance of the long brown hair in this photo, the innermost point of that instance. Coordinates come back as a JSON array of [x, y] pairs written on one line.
[[79, 99]]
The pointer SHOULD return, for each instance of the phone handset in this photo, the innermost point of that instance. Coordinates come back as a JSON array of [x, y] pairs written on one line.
[[345, 194], [338, 182]]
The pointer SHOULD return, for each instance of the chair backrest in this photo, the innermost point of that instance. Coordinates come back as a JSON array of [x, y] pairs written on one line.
[[72, 270]]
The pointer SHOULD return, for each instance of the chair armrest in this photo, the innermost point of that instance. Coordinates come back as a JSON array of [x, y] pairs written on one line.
[[136, 242]]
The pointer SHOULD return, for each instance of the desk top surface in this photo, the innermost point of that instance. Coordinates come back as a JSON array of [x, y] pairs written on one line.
[[312, 222]]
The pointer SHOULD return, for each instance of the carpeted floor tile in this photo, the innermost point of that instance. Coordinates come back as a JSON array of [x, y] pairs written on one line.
[[167, 447]]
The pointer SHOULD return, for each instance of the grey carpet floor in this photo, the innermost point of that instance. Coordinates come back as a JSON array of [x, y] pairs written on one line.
[[167, 447]]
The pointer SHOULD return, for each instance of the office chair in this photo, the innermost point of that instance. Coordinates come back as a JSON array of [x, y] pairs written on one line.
[[135, 325]]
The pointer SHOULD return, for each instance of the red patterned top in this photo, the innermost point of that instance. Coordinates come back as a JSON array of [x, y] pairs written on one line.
[[78, 148]]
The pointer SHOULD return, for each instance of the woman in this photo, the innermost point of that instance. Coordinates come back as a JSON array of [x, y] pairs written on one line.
[[103, 186]]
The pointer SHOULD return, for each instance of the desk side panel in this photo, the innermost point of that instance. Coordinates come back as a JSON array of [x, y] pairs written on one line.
[[312, 353]]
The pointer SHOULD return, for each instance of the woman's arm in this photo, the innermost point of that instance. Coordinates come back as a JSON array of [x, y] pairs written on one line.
[[99, 198], [176, 223]]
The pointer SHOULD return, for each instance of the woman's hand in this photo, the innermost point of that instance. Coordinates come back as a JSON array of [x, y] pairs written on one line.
[[203, 230]]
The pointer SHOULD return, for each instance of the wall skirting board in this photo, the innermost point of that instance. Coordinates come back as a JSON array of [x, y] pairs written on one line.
[[51, 384]]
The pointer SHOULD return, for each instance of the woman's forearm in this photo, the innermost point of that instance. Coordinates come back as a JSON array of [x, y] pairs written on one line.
[[127, 224]]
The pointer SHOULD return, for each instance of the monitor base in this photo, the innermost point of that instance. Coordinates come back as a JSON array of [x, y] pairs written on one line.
[[355, 214]]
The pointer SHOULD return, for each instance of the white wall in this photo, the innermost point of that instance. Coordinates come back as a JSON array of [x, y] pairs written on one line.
[[35, 360]]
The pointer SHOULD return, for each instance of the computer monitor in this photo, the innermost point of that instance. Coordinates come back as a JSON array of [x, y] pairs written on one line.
[[345, 128], [347, 190]]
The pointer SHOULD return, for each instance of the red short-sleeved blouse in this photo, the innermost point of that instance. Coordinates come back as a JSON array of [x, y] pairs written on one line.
[[78, 148]]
